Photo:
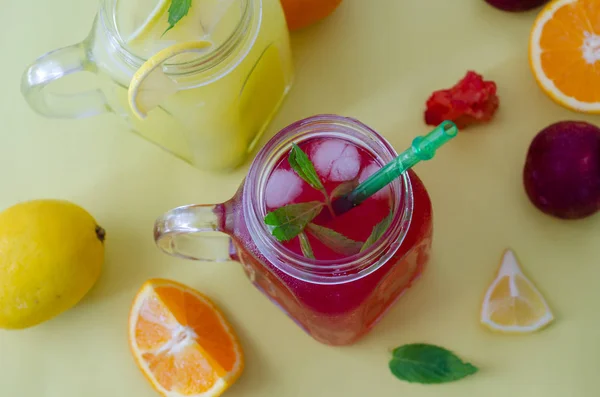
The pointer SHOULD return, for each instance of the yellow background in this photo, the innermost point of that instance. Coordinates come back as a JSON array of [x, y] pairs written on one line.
[[376, 60]]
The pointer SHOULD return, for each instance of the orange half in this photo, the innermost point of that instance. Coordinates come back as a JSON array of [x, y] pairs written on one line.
[[564, 53], [182, 342]]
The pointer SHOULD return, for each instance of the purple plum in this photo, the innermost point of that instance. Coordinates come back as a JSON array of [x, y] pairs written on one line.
[[516, 5], [562, 170]]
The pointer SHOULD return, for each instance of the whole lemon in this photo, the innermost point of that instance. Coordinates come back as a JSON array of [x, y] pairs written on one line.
[[51, 254]]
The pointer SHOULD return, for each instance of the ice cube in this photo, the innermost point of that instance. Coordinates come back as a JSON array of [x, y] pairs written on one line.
[[366, 173], [336, 160], [282, 188]]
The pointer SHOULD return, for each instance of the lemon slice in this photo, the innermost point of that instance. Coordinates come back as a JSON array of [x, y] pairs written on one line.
[[150, 86], [512, 303]]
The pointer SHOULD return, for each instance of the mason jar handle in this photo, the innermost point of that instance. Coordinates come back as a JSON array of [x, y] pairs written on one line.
[[54, 66], [194, 232]]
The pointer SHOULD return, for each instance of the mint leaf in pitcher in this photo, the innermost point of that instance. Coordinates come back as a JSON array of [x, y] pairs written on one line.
[[334, 240], [305, 169], [428, 364], [344, 188], [289, 221], [305, 246], [377, 232], [178, 10]]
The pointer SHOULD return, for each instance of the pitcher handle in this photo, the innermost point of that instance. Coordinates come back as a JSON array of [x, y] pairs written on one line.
[[54, 66], [194, 232]]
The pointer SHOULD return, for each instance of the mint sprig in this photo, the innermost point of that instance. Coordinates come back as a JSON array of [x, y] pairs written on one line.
[[377, 232], [428, 364], [177, 10], [294, 220], [289, 221], [334, 240]]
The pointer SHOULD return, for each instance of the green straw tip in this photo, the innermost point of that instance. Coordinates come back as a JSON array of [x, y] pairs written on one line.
[[449, 128], [426, 146]]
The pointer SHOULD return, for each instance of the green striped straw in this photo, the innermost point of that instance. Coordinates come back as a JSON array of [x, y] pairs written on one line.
[[423, 148]]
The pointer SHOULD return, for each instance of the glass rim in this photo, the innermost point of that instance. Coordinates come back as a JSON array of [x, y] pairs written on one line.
[[317, 271], [226, 51]]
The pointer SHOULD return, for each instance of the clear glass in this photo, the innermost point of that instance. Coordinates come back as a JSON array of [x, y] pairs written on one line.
[[224, 100], [336, 302]]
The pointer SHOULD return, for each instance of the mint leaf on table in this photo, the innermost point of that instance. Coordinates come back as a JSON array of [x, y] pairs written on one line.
[[428, 364], [334, 240], [305, 169], [178, 10], [377, 232], [344, 188], [305, 246], [290, 220]]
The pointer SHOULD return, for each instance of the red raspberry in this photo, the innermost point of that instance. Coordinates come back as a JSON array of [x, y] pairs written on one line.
[[472, 100]]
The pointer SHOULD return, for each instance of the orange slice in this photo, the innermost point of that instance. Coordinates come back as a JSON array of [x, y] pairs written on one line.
[[564, 53], [512, 303], [182, 342]]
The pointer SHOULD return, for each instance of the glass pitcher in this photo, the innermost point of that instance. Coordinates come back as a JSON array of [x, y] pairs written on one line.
[[336, 302], [224, 98]]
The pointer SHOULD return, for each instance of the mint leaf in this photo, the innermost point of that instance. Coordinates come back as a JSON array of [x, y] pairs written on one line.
[[377, 232], [177, 10], [305, 169], [334, 240], [290, 220], [344, 188], [428, 364], [305, 246]]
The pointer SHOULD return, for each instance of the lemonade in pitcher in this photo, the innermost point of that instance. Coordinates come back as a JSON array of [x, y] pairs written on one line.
[[200, 78]]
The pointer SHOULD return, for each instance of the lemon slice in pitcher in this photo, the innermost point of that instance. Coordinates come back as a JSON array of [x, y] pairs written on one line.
[[150, 85], [512, 303]]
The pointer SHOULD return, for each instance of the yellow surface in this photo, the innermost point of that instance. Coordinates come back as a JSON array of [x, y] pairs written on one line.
[[374, 60]]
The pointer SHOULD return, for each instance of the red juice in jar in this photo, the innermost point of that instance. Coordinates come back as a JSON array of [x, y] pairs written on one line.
[[337, 162], [335, 297], [355, 306]]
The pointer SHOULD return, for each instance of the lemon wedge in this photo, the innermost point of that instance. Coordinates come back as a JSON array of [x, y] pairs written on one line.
[[150, 86], [512, 303]]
